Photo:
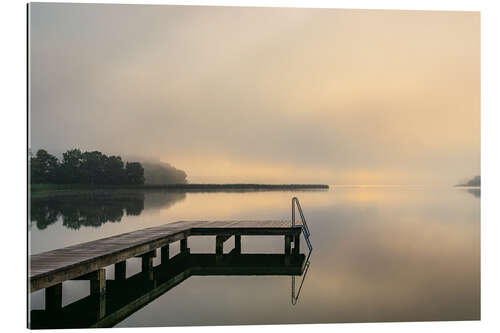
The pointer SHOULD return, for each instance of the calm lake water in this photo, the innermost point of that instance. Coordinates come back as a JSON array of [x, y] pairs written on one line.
[[380, 254]]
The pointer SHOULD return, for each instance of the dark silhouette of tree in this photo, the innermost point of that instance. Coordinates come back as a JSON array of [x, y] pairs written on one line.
[[476, 181], [44, 168], [135, 173], [84, 168], [71, 167], [93, 167], [113, 170]]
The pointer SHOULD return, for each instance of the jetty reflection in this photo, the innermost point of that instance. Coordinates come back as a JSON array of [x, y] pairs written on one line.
[[123, 296]]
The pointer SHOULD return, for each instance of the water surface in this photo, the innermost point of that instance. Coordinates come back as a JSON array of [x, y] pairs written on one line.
[[380, 254]]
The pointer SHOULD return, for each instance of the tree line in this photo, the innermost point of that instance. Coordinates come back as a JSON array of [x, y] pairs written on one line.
[[476, 181], [91, 167]]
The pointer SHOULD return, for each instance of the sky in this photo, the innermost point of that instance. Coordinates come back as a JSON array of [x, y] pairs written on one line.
[[268, 95]]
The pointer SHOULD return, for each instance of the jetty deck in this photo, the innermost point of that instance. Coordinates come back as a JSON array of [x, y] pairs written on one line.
[[87, 260]]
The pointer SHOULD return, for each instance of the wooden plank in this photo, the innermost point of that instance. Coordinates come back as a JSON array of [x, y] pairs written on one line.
[[151, 254]]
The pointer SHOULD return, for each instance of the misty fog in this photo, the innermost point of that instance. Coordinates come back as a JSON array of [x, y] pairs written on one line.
[[275, 95]]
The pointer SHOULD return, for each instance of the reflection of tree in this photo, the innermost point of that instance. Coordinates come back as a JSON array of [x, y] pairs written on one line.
[[85, 209], [94, 208], [475, 192], [163, 199], [43, 215], [135, 207]]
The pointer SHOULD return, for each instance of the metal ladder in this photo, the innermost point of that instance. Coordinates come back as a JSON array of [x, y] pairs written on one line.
[[304, 226], [307, 235]]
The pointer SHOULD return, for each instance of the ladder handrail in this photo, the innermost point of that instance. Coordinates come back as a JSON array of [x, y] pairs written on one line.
[[305, 228], [295, 200], [295, 298]]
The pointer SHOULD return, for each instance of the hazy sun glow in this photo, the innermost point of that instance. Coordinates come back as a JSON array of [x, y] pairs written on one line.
[[272, 95]]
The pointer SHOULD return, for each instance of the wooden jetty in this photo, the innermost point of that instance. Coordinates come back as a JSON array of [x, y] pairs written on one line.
[[87, 261]]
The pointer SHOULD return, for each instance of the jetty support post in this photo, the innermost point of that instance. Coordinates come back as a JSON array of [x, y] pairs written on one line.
[[288, 244], [288, 249], [296, 244], [219, 243], [219, 247], [165, 254], [121, 270], [98, 288], [101, 310], [53, 297], [147, 261], [97, 281], [237, 244], [184, 245]]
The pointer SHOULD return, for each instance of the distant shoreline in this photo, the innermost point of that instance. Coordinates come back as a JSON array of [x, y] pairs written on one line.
[[182, 187]]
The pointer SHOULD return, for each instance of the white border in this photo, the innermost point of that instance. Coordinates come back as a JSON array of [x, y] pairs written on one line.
[[13, 131]]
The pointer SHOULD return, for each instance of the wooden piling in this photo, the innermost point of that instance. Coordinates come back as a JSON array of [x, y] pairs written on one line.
[[296, 244], [101, 307], [147, 261], [237, 244], [121, 270], [219, 243], [53, 297], [288, 244], [184, 245], [165, 254], [98, 282]]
